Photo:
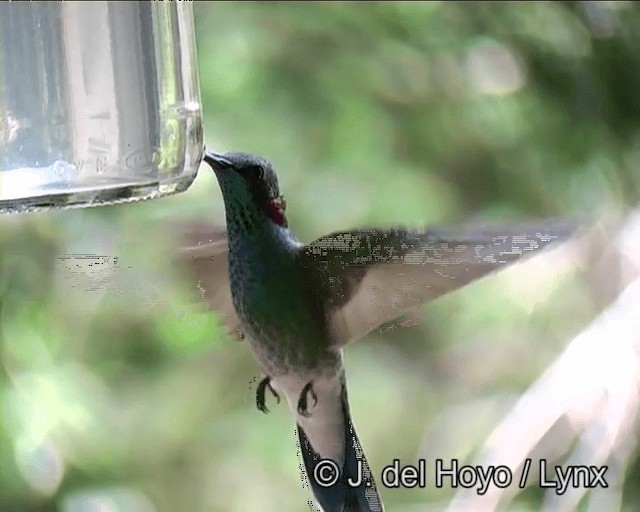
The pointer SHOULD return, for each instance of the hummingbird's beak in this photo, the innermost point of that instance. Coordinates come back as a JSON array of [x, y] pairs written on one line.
[[217, 161]]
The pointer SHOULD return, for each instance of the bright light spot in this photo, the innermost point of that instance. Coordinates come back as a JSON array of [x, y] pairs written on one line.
[[493, 69], [629, 243], [42, 466], [118, 499]]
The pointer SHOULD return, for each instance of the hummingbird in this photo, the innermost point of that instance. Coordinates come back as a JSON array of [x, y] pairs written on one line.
[[299, 304]]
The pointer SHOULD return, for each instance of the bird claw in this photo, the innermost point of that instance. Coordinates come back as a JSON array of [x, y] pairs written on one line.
[[260, 394], [302, 402]]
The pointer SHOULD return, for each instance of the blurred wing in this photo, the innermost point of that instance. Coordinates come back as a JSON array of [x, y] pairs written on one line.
[[369, 277], [203, 251]]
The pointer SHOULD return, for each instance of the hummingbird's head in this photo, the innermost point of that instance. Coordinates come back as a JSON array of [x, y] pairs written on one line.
[[248, 182]]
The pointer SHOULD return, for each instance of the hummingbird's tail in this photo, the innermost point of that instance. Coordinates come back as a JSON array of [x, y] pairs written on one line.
[[350, 488]]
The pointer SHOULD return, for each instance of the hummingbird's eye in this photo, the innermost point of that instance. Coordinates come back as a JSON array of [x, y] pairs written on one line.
[[260, 172]]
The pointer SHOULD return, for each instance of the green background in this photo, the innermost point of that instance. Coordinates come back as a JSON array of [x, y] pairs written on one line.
[[131, 398]]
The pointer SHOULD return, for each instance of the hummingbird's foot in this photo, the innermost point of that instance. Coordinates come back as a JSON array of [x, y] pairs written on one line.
[[260, 394], [302, 402]]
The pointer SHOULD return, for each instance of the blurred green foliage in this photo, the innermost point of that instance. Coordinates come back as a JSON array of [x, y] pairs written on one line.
[[131, 398]]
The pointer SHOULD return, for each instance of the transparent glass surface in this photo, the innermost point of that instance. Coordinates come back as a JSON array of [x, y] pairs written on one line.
[[99, 103]]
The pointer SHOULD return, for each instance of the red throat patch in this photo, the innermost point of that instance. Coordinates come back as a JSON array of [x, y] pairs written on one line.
[[277, 207]]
